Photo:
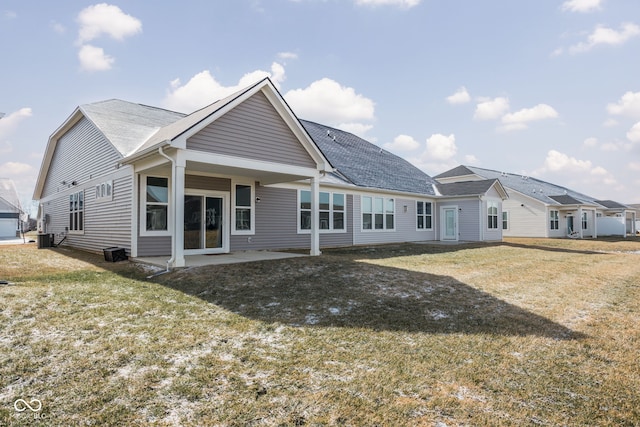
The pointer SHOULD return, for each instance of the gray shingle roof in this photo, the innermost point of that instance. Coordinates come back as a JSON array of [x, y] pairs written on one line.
[[366, 164], [128, 125], [466, 188], [533, 187], [611, 204]]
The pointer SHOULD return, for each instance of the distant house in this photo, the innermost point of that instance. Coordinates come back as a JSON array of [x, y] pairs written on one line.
[[10, 209], [242, 173], [536, 208]]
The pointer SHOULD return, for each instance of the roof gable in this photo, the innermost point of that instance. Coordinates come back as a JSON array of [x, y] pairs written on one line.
[[471, 188], [367, 165], [180, 131]]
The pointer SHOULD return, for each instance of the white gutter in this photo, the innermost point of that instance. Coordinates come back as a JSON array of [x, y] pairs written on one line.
[[173, 192]]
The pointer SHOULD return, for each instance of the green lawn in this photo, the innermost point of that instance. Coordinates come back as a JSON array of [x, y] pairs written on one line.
[[526, 332]]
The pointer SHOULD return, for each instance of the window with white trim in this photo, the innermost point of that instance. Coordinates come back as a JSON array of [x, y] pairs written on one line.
[[554, 218], [156, 204], [585, 221], [76, 212], [378, 213], [331, 210], [104, 191], [505, 220], [492, 215], [424, 215], [243, 207]]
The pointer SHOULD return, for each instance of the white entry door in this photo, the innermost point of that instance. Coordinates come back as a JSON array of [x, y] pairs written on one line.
[[449, 224]]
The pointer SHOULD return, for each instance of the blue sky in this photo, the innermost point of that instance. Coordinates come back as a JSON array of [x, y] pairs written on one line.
[[549, 89]]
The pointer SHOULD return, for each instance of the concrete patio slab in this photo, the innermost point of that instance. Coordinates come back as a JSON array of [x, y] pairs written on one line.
[[220, 259]]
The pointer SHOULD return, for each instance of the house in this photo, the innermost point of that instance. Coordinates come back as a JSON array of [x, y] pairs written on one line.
[[10, 209], [242, 173], [536, 208]]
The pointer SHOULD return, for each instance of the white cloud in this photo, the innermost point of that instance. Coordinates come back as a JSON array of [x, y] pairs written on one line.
[[327, 101], [402, 143], [628, 105], [634, 133], [491, 109], [401, 3], [58, 27], [440, 147], [590, 142], [519, 119], [461, 96], [634, 166], [581, 5], [9, 14], [11, 121], [609, 123], [15, 168], [105, 19], [203, 89], [607, 36], [560, 162], [470, 159], [287, 55], [93, 58]]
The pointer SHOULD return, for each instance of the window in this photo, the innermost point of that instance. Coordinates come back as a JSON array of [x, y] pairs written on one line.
[[585, 223], [76, 212], [331, 209], [156, 203], [378, 213], [492, 215], [104, 191], [424, 218], [555, 220], [505, 220], [243, 207]]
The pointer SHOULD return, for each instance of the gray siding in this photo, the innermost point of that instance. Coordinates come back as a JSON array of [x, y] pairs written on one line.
[[154, 246], [277, 226], [207, 183], [469, 220], [81, 154], [405, 225], [253, 130], [107, 223]]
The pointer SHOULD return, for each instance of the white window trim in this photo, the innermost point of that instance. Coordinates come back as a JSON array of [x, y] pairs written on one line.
[[384, 229], [107, 186], [331, 230], [424, 215], [492, 204], [143, 208], [252, 230], [556, 219], [83, 210], [502, 219]]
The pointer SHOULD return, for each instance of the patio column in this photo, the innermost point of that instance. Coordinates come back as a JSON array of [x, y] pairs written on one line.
[[315, 216], [178, 212], [580, 222]]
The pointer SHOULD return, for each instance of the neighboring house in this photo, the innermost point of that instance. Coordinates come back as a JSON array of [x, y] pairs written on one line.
[[536, 208], [242, 173], [10, 209]]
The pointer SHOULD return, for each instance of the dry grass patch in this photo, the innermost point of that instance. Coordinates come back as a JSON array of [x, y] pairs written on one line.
[[533, 332]]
